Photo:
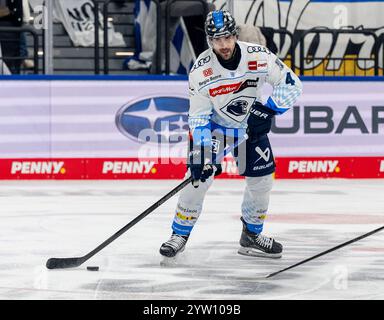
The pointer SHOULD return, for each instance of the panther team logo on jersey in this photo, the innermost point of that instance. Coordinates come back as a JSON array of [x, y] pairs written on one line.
[[237, 108]]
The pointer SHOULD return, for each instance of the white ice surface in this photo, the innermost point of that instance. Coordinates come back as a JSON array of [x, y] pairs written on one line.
[[47, 219]]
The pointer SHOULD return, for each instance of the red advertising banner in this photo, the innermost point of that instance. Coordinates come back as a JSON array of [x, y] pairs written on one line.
[[133, 168], [100, 169], [330, 167]]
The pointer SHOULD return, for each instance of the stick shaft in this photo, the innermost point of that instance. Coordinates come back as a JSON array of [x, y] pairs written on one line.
[[59, 263], [327, 251], [139, 218], [56, 263]]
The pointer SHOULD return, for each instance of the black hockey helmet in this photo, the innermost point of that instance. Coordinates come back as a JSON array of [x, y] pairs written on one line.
[[220, 23]]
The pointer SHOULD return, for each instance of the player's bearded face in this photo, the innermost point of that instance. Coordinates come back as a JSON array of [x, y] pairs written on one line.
[[224, 46]]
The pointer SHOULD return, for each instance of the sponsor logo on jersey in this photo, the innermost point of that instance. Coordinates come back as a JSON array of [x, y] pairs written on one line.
[[213, 78], [208, 72], [154, 119], [224, 89], [248, 84], [382, 166], [199, 63], [37, 167], [252, 65], [256, 49], [124, 167], [317, 166], [233, 88], [262, 65]]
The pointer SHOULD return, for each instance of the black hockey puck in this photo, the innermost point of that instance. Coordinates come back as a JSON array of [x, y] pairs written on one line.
[[93, 268]]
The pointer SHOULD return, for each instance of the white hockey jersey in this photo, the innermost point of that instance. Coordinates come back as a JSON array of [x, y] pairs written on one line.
[[225, 96]]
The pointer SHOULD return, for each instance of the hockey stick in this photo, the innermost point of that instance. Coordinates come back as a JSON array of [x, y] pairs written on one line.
[[62, 263], [327, 251]]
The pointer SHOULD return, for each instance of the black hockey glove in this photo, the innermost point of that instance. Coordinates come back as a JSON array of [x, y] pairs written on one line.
[[259, 121], [200, 170]]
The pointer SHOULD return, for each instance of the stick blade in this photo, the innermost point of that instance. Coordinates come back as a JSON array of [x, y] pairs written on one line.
[[64, 263]]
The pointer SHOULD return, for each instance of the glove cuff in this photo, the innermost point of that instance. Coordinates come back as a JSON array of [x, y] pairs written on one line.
[[202, 136], [261, 111], [200, 155]]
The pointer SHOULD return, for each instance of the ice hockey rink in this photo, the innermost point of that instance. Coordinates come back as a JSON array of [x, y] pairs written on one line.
[[43, 219]]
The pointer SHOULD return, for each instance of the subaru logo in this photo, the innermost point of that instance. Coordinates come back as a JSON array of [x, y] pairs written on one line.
[[155, 119]]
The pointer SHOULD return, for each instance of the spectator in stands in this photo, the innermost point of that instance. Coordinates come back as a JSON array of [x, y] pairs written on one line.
[[253, 34], [11, 15], [194, 19], [3, 67], [120, 3], [26, 63]]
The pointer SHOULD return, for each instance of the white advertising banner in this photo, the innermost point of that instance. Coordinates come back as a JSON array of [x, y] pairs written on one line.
[[295, 16], [91, 119]]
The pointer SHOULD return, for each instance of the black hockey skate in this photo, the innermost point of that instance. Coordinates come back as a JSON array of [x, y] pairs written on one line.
[[258, 245], [173, 246]]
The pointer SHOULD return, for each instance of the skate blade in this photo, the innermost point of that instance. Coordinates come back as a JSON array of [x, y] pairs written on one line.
[[170, 262], [257, 253]]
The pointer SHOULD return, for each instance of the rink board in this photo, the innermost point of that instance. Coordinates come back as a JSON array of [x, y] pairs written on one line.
[[131, 128], [131, 168]]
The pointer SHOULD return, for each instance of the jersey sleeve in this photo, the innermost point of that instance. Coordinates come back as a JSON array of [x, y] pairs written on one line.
[[199, 116], [287, 87]]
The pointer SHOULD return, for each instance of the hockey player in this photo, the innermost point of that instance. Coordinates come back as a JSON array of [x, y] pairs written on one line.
[[225, 100]]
